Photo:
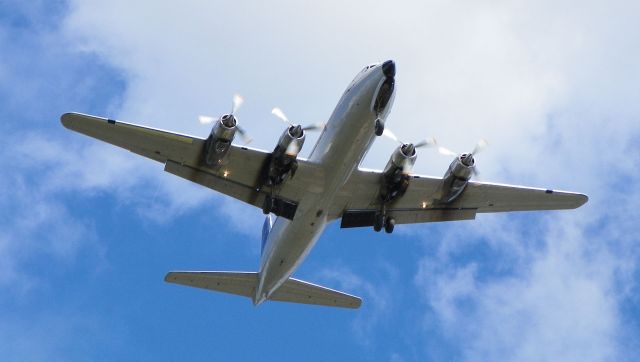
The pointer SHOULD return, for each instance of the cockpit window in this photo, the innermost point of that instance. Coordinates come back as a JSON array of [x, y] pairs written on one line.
[[368, 67]]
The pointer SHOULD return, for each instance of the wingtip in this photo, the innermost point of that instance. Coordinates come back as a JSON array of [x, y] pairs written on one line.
[[583, 199], [357, 304], [75, 121], [71, 119], [168, 277], [66, 119]]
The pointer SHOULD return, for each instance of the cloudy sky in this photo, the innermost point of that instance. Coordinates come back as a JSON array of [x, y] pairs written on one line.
[[88, 231]]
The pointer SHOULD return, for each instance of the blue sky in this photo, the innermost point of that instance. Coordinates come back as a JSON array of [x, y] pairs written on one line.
[[88, 231]]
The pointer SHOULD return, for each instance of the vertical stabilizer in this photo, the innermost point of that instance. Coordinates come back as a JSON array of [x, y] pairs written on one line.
[[266, 229]]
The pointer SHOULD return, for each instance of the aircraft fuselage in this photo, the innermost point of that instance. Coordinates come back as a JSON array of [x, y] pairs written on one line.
[[344, 142]]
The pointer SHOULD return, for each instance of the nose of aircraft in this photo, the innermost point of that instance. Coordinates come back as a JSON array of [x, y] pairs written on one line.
[[389, 69]]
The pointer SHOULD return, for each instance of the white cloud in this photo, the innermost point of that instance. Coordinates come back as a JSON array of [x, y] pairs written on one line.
[[561, 302], [377, 298], [35, 225], [95, 168]]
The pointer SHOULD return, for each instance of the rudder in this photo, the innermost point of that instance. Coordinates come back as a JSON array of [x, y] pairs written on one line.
[[266, 229]]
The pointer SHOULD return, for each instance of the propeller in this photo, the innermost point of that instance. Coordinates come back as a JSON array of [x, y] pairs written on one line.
[[478, 147], [281, 116], [424, 143], [466, 158], [408, 148], [244, 135], [206, 119], [235, 105]]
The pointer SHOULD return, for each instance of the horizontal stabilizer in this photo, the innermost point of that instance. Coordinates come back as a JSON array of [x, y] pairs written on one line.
[[245, 283], [298, 291], [238, 283]]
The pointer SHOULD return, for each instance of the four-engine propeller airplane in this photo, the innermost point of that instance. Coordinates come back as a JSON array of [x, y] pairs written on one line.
[[300, 196]]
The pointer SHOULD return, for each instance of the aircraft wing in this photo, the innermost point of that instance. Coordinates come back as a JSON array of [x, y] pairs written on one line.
[[358, 200], [182, 155]]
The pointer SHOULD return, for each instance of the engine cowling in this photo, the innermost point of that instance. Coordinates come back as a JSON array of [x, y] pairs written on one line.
[[457, 177], [219, 142], [395, 178], [284, 157]]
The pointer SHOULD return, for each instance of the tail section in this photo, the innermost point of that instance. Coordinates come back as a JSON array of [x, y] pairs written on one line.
[[245, 284]]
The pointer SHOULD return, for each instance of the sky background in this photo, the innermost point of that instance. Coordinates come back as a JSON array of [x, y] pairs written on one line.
[[88, 231]]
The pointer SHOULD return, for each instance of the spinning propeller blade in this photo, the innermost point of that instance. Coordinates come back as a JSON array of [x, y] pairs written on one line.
[[479, 146], [281, 116], [244, 135], [424, 143], [237, 103], [206, 119], [447, 152], [482, 144], [390, 135], [314, 126]]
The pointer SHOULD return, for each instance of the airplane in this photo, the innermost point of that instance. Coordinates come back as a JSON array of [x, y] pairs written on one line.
[[301, 196]]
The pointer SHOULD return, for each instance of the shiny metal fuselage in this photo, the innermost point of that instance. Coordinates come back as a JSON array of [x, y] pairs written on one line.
[[341, 147]]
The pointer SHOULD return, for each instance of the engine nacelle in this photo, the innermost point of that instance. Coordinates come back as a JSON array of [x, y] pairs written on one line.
[[283, 159], [395, 178], [219, 142], [457, 177]]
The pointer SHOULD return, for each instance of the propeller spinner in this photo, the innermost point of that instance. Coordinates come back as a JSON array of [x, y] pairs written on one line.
[[295, 130], [229, 120], [467, 159], [409, 149]]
